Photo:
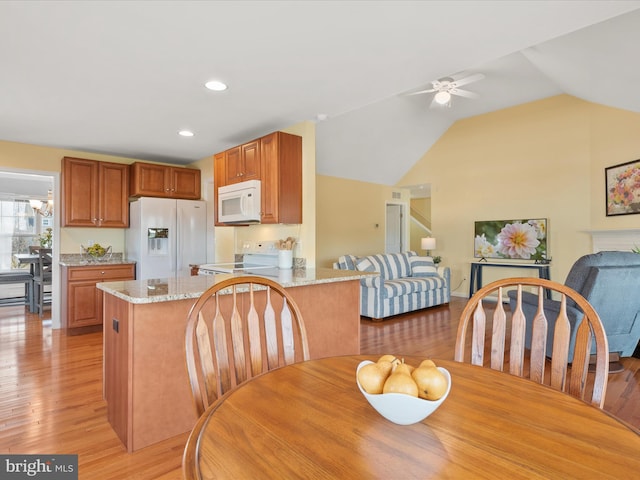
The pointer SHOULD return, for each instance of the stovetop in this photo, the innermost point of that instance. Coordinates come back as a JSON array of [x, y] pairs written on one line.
[[236, 267]]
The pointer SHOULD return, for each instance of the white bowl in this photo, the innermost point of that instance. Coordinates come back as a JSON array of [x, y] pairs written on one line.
[[400, 408]]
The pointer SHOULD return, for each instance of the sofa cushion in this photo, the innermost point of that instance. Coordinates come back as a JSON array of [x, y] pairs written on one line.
[[389, 265], [347, 262], [405, 286], [423, 267]]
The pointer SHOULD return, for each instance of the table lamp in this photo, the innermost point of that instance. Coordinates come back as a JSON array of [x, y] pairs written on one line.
[[428, 244]]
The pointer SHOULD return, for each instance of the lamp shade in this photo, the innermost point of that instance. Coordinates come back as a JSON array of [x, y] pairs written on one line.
[[428, 243]]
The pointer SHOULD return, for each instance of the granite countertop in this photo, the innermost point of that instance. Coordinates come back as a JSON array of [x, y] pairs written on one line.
[[180, 288], [79, 260]]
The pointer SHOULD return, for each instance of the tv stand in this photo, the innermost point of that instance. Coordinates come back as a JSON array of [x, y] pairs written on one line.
[[544, 271]]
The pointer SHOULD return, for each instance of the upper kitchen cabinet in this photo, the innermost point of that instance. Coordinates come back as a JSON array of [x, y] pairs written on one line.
[[243, 163], [281, 168], [280, 171], [151, 180], [94, 194]]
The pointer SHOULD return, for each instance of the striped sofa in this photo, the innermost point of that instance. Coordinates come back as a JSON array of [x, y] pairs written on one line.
[[406, 282]]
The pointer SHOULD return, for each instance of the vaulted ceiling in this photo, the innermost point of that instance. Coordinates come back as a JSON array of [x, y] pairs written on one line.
[[123, 77]]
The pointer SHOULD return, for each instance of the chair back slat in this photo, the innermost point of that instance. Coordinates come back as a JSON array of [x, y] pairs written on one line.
[[233, 332], [237, 338], [477, 345], [581, 356], [498, 338], [271, 333], [222, 366], [540, 327], [253, 327], [561, 339], [566, 374], [498, 335], [287, 333], [518, 327], [206, 359]]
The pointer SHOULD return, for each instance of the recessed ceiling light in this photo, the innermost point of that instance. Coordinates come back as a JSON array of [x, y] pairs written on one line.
[[216, 86], [185, 133]]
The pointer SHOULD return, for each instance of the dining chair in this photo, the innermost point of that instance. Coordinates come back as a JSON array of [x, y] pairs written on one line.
[[237, 329], [554, 368], [42, 276]]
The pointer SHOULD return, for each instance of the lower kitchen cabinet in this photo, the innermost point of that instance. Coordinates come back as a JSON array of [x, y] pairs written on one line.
[[81, 309]]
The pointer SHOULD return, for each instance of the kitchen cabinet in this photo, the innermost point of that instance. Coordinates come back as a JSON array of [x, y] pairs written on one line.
[[280, 173], [243, 163], [281, 165], [94, 194], [151, 180], [81, 300]]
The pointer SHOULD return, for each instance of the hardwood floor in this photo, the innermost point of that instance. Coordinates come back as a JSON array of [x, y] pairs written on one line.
[[51, 389]]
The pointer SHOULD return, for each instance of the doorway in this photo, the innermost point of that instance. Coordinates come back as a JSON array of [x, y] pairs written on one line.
[[17, 189], [395, 238]]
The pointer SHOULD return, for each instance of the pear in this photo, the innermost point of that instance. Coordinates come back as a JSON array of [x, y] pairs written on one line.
[[400, 381], [373, 375], [389, 358], [432, 384], [427, 363]]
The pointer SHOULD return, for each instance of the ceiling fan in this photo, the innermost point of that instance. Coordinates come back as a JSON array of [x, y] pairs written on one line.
[[446, 87]]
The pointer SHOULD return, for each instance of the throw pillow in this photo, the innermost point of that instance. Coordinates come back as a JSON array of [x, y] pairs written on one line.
[[365, 265], [423, 267]]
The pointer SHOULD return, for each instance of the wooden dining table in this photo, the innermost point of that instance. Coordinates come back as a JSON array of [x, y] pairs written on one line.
[[309, 420]]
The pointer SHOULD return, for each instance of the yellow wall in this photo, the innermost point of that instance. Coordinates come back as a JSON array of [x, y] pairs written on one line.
[[422, 206], [229, 239], [543, 159], [350, 217], [24, 157]]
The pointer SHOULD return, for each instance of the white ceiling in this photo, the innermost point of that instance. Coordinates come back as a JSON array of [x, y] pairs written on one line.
[[122, 77]]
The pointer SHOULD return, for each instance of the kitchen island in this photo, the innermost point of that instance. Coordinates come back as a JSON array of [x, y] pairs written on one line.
[[146, 385]]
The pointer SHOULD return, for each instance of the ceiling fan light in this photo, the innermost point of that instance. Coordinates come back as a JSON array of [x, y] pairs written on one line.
[[442, 98]]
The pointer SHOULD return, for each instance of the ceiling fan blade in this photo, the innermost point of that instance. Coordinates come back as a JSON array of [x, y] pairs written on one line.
[[463, 93], [431, 90], [466, 80]]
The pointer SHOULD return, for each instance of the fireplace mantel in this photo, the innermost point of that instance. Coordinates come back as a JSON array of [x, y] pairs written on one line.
[[622, 240]]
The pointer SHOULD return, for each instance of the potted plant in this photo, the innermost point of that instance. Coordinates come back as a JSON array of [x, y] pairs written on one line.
[[46, 238]]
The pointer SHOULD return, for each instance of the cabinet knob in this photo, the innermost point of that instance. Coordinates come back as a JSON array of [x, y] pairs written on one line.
[[101, 273]]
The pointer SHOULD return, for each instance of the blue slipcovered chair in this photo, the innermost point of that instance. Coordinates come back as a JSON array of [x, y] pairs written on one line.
[[610, 281]]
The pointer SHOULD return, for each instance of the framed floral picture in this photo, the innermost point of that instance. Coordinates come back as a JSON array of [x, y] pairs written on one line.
[[623, 188]]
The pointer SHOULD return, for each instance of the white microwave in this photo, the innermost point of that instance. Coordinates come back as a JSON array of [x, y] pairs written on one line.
[[239, 202]]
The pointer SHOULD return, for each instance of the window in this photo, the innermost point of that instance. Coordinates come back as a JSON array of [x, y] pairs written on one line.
[[19, 228]]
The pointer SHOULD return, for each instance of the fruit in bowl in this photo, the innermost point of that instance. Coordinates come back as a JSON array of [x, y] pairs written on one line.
[[408, 395], [96, 251]]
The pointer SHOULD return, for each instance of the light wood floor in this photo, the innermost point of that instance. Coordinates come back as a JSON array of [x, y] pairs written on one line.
[[51, 390]]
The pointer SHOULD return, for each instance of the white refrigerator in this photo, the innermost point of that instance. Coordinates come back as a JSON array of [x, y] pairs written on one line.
[[165, 236]]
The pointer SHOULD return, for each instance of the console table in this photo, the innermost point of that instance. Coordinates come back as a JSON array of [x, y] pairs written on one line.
[[476, 273]]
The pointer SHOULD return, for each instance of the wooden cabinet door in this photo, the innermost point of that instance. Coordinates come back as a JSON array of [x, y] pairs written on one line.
[[251, 161], [243, 163], [281, 194], [185, 183], [84, 304], [149, 180], [233, 165], [113, 202], [269, 188], [79, 192]]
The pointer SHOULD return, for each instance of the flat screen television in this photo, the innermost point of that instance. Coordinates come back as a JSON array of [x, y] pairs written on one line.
[[512, 239]]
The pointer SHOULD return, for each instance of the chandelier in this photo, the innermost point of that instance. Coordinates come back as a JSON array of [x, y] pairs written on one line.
[[43, 208]]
